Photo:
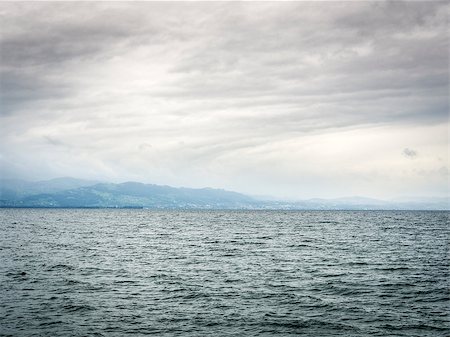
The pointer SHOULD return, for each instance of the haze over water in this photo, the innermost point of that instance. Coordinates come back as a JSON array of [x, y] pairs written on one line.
[[110, 272]]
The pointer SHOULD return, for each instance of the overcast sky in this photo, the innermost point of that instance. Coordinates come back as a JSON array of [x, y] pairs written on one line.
[[295, 100]]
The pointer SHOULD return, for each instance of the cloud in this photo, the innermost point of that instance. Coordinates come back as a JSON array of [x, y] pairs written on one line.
[[409, 153], [220, 89]]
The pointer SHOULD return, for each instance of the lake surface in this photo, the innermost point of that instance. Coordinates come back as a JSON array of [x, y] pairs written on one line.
[[78, 272]]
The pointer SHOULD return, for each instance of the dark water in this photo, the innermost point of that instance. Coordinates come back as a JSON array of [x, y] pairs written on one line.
[[223, 273]]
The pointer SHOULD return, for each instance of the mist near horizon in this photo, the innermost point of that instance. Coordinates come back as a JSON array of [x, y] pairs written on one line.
[[292, 100]]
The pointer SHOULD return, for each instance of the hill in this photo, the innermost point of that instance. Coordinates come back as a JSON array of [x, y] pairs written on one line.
[[129, 194], [71, 192]]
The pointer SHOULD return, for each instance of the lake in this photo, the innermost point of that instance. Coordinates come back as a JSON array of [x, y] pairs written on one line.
[[114, 272]]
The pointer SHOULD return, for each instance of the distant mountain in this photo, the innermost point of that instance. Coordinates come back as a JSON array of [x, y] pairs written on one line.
[[132, 194], [15, 189], [70, 192], [362, 203]]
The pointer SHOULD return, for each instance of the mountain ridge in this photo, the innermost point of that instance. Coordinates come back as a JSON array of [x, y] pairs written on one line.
[[73, 193]]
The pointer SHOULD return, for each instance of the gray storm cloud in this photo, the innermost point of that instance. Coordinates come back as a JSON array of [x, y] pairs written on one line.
[[265, 98]]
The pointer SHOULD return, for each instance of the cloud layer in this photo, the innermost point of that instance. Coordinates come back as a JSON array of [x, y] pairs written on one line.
[[290, 99]]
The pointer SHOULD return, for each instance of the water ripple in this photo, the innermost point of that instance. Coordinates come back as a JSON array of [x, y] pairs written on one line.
[[226, 273]]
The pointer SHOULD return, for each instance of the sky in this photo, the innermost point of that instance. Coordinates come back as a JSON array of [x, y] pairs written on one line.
[[286, 99]]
